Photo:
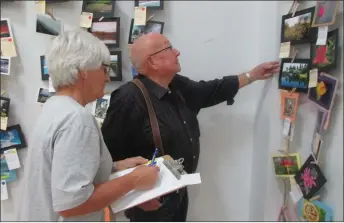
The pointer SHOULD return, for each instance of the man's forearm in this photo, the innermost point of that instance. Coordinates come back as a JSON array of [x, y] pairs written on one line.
[[103, 195]]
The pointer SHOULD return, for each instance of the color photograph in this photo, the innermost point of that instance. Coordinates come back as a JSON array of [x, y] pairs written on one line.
[[99, 8], [289, 103], [286, 166], [297, 29], [314, 211], [5, 29], [106, 30], [4, 106], [294, 75], [5, 66], [6, 174], [310, 178], [325, 91], [324, 57], [151, 26], [12, 138], [154, 4], [44, 95], [325, 13], [44, 69], [47, 25], [100, 107], [115, 71]]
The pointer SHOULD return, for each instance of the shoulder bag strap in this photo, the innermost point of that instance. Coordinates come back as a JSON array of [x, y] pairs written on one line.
[[152, 116]]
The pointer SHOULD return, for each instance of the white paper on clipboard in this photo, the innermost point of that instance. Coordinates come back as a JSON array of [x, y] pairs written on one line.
[[166, 183]]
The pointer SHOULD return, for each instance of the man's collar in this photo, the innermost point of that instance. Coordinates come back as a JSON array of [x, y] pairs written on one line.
[[155, 88]]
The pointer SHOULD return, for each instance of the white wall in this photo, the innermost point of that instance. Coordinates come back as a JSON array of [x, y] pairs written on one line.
[[236, 141]]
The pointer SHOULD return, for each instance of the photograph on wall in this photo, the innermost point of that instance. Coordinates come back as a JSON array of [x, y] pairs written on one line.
[[289, 105], [314, 211], [310, 178], [151, 26], [99, 8], [286, 165], [294, 75], [153, 4], [12, 137], [4, 106], [324, 93], [5, 65], [297, 29], [6, 174], [44, 69], [99, 108], [324, 57], [44, 95], [47, 25], [5, 28], [106, 30], [115, 71], [325, 13]]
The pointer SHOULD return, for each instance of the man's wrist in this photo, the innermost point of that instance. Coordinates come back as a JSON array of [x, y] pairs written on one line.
[[249, 78]]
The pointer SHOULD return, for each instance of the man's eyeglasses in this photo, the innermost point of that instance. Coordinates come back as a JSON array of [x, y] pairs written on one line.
[[169, 47]]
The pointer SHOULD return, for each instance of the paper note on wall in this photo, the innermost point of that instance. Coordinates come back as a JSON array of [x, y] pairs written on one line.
[[284, 50], [322, 35], [313, 78], [140, 16], [286, 127], [4, 193], [12, 159], [40, 7], [86, 19], [296, 193], [8, 48]]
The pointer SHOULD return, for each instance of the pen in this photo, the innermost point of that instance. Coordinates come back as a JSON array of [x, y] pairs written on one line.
[[153, 159]]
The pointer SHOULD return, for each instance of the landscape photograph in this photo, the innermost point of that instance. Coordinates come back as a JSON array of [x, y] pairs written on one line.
[[297, 28], [295, 75], [4, 29], [105, 31], [98, 6], [153, 3]]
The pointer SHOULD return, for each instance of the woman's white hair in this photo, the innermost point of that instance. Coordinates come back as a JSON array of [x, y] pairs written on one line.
[[72, 51]]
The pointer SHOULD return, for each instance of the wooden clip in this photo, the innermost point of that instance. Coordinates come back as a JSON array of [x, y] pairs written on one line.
[[101, 18], [315, 198], [51, 13], [295, 53], [3, 93], [295, 7], [150, 17]]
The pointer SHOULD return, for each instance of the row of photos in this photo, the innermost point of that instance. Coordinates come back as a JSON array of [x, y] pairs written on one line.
[[307, 76]]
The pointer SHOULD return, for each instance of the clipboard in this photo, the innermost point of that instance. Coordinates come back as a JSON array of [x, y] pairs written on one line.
[[166, 183]]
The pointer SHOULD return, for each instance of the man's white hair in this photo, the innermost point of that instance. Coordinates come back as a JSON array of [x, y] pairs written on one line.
[[72, 51]]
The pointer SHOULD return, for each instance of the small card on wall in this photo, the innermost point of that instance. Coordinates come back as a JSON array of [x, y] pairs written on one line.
[[4, 193], [8, 48], [86, 19], [284, 50], [289, 105], [40, 7], [140, 16], [313, 78], [322, 35], [296, 193], [286, 127], [12, 159]]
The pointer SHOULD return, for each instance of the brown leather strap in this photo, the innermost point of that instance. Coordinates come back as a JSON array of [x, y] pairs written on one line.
[[152, 117]]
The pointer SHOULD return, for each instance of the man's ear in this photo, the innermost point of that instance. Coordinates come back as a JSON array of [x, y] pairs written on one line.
[[151, 63]]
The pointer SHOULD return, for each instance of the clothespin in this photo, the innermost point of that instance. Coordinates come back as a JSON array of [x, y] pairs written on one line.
[[176, 167], [315, 198], [295, 53], [150, 17], [297, 3], [3, 93], [101, 18], [50, 12]]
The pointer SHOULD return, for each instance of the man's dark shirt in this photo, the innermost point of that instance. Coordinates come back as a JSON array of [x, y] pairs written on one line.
[[126, 128]]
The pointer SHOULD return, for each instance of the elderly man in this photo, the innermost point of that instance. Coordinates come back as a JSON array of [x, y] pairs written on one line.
[[176, 100]]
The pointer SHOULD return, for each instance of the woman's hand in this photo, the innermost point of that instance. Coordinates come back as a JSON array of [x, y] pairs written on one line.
[[130, 162]]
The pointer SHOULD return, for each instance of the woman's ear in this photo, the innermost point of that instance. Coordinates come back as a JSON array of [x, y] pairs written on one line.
[[83, 74]]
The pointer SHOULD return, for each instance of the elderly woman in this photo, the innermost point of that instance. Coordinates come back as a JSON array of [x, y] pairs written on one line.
[[69, 165]]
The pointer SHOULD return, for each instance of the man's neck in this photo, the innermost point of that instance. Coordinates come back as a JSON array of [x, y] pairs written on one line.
[[162, 81], [73, 93]]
